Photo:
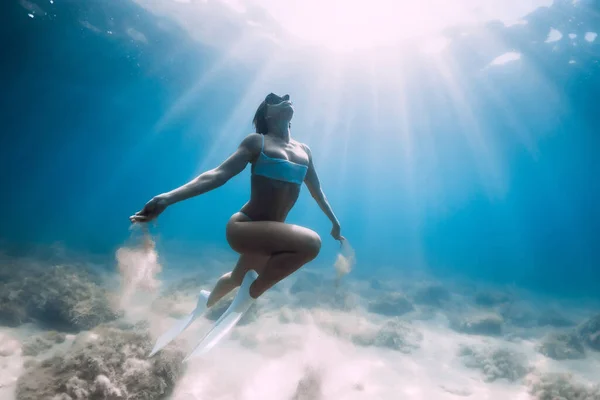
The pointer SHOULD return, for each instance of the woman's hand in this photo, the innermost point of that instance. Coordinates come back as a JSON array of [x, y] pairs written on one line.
[[335, 232], [151, 210]]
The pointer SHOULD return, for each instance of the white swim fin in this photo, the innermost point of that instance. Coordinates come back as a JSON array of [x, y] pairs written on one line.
[[181, 324], [241, 303]]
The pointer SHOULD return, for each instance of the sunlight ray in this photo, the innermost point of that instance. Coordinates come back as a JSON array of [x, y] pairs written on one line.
[[343, 137], [518, 129], [190, 95], [488, 163], [430, 195], [325, 109], [232, 132], [345, 26], [407, 143], [406, 138], [373, 81]]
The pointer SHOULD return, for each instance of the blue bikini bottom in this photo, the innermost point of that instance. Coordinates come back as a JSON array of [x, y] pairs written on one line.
[[246, 215]]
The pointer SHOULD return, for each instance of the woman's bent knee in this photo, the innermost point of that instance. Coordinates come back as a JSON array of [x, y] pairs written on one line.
[[313, 245]]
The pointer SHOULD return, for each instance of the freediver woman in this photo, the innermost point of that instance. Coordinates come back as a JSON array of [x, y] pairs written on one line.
[[270, 249]]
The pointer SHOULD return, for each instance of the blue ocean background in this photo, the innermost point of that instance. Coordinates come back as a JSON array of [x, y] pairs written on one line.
[[489, 173]]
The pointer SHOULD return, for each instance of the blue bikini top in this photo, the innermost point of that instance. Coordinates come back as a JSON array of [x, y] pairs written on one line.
[[279, 169]]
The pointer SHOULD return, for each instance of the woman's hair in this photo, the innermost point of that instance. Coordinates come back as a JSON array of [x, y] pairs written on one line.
[[260, 119]]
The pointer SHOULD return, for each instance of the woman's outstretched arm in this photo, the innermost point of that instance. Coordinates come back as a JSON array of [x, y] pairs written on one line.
[[205, 182], [218, 176], [314, 187]]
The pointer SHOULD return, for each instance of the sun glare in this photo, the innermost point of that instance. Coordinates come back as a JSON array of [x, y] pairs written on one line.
[[395, 105], [344, 25]]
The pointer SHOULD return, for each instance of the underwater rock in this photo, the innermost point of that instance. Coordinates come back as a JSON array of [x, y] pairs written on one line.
[[560, 386], [40, 343], [526, 316], [425, 313], [309, 387], [495, 363], [519, 314], [483, 324], [55, 337], [391, 305], [35, 346], [30, 362], [555, 319], [589, 332], [63, 298], [433, 295], [105, 363], [562, 346], [490, 298], [394, 334], [11, 313]]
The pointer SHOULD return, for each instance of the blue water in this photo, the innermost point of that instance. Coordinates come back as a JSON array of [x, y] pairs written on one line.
[[491, 174]]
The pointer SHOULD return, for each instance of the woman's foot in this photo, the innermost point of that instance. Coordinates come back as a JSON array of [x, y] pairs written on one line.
[[181, 324], [224, 286], [223, 326]]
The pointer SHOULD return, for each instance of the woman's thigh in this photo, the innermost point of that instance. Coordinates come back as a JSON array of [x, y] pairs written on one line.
[[270, 237]]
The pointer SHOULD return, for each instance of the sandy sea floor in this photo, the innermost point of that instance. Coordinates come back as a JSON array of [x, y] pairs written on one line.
[[322, 341]]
